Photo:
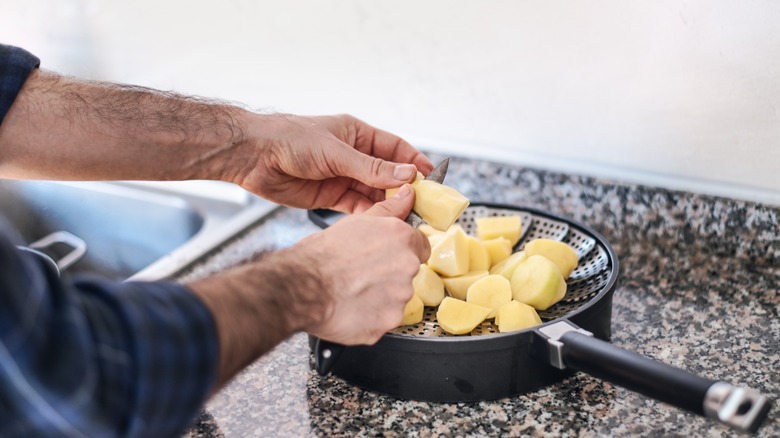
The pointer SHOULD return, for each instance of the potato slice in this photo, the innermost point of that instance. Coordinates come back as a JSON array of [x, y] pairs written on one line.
[[450, 255], [437, 204], [459, 286], [428, 286], [459, 317], [507, 266], [515, 315], [429, 230], [413, 311], [390, 192], [499, 249], [435, 238], [563, 255], [491, 291], [508, 227], [479, 257], [538, 282]]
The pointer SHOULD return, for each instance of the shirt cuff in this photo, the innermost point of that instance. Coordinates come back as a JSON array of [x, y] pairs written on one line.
[[15, 65]]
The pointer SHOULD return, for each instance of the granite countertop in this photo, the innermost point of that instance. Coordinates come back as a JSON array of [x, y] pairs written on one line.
[[698, 289]]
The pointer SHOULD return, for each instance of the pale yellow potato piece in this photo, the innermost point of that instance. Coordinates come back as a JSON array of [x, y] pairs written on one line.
[[458, 286], [508, 227], [491, 291], [429, 230], [428, 286], [479, 257], [499, 249], [459, 317], [450, 255], [515, 315], [390, 192], [435, 238], [437, 204], [538, 282], [507, 266], [563, 255], [413, 311]]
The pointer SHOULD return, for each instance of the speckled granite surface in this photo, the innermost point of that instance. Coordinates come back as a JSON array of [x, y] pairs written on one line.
[[698, 289]]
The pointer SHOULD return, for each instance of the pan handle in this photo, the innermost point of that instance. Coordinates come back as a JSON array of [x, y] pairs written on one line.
[[565, 345], [326, 354]]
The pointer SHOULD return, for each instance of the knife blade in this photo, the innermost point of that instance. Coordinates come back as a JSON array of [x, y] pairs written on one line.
[[437, 175], [326, 353]]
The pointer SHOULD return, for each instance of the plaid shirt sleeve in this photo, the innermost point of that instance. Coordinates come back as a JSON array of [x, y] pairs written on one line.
[[91, 358], [15, 65]]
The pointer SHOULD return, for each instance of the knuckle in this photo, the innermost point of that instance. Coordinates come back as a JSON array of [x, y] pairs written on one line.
[[377, 166], [406, 292]]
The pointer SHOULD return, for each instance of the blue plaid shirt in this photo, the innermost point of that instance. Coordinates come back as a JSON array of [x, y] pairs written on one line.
[[91, 358]]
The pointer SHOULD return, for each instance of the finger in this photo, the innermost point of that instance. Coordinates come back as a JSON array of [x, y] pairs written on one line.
[[382, 144], [390, 147], [397, 206], [423, 247], [372, 171]]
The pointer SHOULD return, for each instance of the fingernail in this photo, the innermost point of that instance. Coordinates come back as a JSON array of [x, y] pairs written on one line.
[[403, 192], [404, 172]]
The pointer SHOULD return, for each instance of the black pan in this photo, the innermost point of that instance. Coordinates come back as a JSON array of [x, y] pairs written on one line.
[[421, 362]]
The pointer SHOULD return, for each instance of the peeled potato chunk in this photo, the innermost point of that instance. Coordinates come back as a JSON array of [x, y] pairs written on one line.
[[459, 317], [428, 286], [499, 249], [563, 255], [413, 311], [390, 192], [515, 315], [538, 282], [428, 230], [458, 286], [491, 291], [450, 255], [479, 257], [437, 204], [507, 266], [508, 227], [435, 238]]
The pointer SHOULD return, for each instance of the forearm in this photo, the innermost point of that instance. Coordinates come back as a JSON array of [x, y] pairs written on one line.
[[62, 128], [258, 305]]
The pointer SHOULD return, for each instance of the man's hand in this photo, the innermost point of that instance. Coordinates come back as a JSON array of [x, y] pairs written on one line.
[[366, 262], [348, 284], [336, 162]]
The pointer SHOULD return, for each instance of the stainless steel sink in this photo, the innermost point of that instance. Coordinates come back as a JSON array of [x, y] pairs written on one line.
[[136, 231]]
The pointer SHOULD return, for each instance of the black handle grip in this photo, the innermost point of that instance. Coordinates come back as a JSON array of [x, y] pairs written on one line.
[[326, 354], [635, 372], [564, 345]]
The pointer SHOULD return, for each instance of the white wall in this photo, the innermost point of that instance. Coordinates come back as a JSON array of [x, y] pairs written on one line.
[[684, 94]]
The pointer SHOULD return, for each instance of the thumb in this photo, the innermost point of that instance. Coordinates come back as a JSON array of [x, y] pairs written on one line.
[[373, 171], [399, 205]]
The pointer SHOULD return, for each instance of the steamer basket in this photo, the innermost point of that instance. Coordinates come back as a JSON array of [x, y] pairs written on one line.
[[422, 362]]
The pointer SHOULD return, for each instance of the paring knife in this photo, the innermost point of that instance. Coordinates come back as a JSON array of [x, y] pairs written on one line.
[[326, 353]]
